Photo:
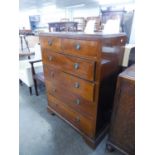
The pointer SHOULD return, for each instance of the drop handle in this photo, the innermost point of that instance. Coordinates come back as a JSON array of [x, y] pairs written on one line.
[[76, 66], [77, 119], [77, 46], [121, 40], [50, 42], [53, 90], [76, 85], [77, 101], [50, 58]]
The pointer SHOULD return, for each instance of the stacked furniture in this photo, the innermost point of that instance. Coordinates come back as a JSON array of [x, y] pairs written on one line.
[[122, 130], [81, 23], [98, 25], [62, 26], [80, 75]]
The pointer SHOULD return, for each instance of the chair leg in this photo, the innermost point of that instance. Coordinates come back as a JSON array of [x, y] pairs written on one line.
[[20, 82], [35, 86], [30, 90]]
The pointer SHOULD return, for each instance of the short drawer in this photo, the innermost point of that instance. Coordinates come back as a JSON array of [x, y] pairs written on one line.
[[69, 64], [51, 43], [77, 120], [74, 84], [77, 47], [75, 101]]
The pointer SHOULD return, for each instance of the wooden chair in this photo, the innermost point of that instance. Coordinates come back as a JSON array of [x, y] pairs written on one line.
[[36, 76], [25, 68]]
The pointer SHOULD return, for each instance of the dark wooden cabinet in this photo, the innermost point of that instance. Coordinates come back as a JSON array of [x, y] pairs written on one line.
[[80, 76], [122, 130]]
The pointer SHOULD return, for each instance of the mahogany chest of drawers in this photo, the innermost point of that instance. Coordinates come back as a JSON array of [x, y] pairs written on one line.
[[80, 75], [122, 129]]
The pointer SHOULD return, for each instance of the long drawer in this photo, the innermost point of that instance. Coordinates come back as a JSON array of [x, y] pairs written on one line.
[[74, 84], [51, 43], [71, 99], [75, 66], [76, 119]]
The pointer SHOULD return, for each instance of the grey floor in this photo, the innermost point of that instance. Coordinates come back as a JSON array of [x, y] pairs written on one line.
[[43, 134]]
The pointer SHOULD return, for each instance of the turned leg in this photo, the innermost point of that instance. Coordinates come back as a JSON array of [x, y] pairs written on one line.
[[35, 86]]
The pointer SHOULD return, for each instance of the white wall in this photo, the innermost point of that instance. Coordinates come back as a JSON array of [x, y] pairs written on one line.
[[47, 15], [83, 12], [24, 18], [52, 15], [57, 14]]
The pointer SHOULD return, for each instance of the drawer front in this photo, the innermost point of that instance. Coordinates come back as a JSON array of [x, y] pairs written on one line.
[[75, 101], [110, 42], [75, 66], [80, 122], [74, 84], [80, 47], [51, 43]]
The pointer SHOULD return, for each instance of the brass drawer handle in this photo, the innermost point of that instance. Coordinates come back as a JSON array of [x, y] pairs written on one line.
[[77, 101], [121, 40], [50, 58], [50, 42], [77, 46], [76, 66], [77, 119], [76, 85], [53, 90]]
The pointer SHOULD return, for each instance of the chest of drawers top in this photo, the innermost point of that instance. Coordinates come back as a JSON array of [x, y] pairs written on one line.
[[85, 36], [79, 44]]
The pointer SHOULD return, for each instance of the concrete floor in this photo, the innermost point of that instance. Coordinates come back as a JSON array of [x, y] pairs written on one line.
[[44, 134]]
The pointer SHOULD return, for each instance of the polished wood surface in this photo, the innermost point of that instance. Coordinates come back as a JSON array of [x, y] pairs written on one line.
[[73, 65], [51, 43], [78, 121], [74, 84], [72, 99], [80, 76], [122, 131], [80, 47]]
